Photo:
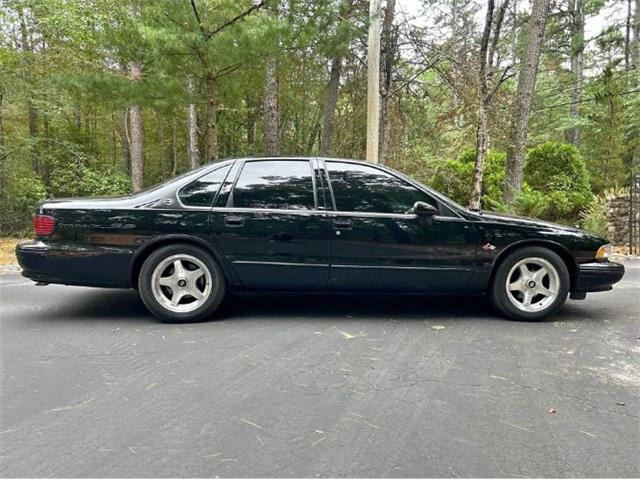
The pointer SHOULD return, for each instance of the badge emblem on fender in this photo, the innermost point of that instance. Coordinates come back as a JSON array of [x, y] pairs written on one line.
[[487, 247]]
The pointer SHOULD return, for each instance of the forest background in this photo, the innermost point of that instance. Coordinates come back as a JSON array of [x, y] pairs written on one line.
[[531, 107]]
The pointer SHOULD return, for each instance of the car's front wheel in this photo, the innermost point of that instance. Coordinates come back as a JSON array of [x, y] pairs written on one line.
[[532, 283], [181, 283]]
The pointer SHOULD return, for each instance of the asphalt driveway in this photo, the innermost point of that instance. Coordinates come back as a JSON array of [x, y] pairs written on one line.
[[92, 385]]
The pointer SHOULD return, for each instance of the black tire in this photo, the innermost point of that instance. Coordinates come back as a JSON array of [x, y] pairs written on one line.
[[505, 301], [209, 301]]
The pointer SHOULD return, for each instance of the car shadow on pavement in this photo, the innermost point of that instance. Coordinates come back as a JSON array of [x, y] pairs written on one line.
[[280, 306], [126, 305]]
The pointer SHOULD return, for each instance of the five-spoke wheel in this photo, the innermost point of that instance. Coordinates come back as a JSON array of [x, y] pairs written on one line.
[[530, 284], [181, 283]]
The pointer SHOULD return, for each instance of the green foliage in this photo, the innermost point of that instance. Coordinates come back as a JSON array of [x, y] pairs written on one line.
[[593, 218], [453, 177], [65, 95], [81, 180], [23, 191], [559, 172]]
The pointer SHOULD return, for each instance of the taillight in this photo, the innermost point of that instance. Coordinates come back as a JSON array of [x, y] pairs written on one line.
[[43, 225]]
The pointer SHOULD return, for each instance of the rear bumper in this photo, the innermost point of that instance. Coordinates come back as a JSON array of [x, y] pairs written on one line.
[[70, 265], [597, 276]]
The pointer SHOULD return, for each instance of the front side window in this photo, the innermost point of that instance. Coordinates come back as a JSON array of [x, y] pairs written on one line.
[[201, 192], [359, 188], [280, 184]]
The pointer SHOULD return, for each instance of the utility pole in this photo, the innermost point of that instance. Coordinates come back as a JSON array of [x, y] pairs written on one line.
[[373, 81]]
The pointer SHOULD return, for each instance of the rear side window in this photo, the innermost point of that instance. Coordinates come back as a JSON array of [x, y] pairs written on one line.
[[359, 188], [201, 192], [281, 184]]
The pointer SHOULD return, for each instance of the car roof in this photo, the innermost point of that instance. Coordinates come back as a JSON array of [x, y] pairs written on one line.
[[298, 157]]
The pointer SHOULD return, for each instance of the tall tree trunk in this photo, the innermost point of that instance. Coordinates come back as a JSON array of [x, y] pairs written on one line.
[[482, 138], [135, 119], [627, 36], [126, 142], [330, 108], [482, 148], [192, 128], [514, 32], [2, 90], [174, 149], [212, 119], [27, 48], [572, 135], [635, 43], [3, 155], [45, 167], [271, 113], [635, 63], [389, 46], [333, 90], [315, 131], [250, 120], [524, 97], [33, 131]]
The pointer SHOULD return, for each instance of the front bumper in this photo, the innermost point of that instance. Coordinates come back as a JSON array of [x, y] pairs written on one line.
[[597, 276]]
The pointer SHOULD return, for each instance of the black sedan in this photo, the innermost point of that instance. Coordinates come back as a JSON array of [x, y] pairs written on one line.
[[308, 225]]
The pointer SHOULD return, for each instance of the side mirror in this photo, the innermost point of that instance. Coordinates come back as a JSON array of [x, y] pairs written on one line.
[[424, 209]]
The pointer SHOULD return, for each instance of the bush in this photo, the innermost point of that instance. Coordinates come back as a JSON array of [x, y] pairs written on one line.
[[75, 179], [593, 218], [454, 177], [23, 192], [558, 171]]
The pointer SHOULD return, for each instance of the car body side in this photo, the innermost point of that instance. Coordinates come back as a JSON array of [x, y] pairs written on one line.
[[103, 242]]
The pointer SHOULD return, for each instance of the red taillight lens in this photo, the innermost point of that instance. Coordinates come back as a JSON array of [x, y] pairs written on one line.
[[44, 225]]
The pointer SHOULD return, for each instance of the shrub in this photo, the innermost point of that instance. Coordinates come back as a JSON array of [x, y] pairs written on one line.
[[558, 171], [23, 192], [593, 218], [454, 177], [76, 179]]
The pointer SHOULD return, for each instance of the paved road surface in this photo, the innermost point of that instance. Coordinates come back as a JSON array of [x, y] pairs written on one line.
[[91, 385]]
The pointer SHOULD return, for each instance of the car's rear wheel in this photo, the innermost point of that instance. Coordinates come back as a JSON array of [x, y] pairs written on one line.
[[181, 283], [532, 284]]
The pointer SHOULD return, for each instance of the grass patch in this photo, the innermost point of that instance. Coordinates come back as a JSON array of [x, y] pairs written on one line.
[[8, 251]]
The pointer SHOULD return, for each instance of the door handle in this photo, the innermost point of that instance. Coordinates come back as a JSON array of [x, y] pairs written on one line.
[[342, 223], [234, 221]]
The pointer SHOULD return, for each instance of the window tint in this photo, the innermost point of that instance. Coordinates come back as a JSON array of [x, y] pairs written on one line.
[[275, 184], [358, 188], [200, 193]]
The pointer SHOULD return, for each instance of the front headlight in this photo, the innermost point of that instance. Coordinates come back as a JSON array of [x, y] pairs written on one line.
[[604, 252]]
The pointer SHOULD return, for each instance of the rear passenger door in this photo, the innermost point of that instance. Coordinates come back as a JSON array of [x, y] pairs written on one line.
[[272, 227]]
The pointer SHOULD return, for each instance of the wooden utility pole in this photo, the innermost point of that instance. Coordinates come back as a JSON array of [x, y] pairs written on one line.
[[373, 81]]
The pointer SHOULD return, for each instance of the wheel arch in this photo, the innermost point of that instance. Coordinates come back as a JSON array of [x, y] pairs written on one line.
[[151, 246], [562, 251]]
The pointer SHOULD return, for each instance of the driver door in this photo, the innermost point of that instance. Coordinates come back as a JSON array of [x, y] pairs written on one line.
[[376, 245]]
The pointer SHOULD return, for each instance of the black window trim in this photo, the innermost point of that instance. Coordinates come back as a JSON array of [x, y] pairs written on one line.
[[213, 168], [344, 213], [229, 207]]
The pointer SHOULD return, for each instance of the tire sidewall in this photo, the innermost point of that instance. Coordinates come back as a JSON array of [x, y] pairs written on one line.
[[205, 311], [499, 294]]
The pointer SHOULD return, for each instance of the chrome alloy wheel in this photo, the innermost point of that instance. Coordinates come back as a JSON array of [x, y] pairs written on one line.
[[181, 283], [532, 284]]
